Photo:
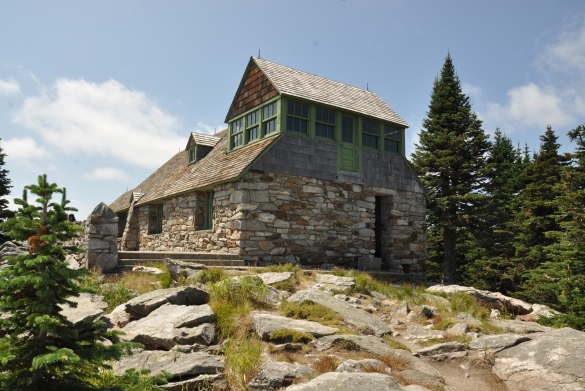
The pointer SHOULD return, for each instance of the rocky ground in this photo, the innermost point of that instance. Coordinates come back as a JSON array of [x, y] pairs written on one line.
[[413, 340], [381, 343]]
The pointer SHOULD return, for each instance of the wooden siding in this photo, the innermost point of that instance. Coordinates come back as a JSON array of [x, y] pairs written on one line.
[[255, 90]]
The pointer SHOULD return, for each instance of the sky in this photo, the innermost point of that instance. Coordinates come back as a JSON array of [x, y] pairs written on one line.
[[99, 94]]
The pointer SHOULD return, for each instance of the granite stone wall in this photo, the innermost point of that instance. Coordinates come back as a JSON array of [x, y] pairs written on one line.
[[269, 218]]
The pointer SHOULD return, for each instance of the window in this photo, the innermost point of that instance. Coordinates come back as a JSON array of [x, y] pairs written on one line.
[[238, 132], [155, 218], [391, 139], [252, 120], [269, 122], [325, 123], [159, 218], [298, 117], [208, 210], [347, 129], [370, 134], [192, 155]]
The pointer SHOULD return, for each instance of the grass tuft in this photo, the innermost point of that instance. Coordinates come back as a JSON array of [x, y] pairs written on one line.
[[242, 361], [394, 344], [326, 364], [287, 335], [310, 311]]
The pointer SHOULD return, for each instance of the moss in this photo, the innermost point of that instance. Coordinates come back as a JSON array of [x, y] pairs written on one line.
[[287, 335]]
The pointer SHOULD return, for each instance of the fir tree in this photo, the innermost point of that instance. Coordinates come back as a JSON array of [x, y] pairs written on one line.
[[536, 208], [449, 160], [39, 348], [560, 282], [4, 191]]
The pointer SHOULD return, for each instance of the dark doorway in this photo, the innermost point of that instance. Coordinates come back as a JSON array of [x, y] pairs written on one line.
[[378, 226]]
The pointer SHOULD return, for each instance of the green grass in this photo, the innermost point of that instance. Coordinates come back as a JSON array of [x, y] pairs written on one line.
[[394, 344], [462, 302], [448, 338], [242, 361], [212, 275], [310, 311], [287, 335]]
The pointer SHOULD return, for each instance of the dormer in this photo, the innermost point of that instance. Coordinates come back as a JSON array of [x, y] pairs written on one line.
[[199, 145]]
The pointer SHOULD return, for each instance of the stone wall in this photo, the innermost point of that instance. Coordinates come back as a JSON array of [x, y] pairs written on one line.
[[272, 218], [102, 229]]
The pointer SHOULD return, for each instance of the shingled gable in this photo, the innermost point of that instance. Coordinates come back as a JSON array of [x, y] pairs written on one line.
[[176, 176], [265, 79]]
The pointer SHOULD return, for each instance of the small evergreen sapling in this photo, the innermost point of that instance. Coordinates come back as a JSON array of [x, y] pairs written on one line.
[[39, 348]]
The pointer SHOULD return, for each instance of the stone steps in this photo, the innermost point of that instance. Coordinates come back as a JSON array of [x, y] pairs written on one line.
[[135, 258]]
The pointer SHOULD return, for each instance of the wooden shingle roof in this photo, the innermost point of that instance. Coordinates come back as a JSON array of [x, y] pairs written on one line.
[[176, 176], [207, 140], [303, 85]]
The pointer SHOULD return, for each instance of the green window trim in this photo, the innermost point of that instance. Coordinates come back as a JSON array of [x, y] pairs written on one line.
[[192, 155], [297, 117], [254, 124], [209, 210], [393, 138], [159, 219], [324, 123], [370, 134], [237, 133]]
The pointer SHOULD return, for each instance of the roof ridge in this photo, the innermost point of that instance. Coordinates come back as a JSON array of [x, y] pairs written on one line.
[[313, 74]]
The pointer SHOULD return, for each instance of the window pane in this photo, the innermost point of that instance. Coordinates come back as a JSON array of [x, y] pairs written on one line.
[[237, 126], [238, 139], [296, 125], [324, 115], [391, 146], [252, 119], [270, 110], [325, 131], [298, 109], [253, 133], [347, 123], [191, 154], [370, 127], [270, 126], [391, 132], [369, 141]]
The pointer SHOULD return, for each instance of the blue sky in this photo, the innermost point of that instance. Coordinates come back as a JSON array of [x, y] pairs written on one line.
[[99, 94]]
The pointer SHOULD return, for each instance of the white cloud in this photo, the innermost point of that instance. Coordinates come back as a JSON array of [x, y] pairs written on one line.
[[528, 106], [106, 173], [471, 90], [208, 129], [567, 53], [9, 87], [106, 119], [23, 149]]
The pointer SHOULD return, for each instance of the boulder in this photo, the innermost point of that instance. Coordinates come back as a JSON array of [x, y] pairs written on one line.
[[412, 376], [148, 302], [274, 375], [182, 269], [374, 345], [273, 278], [265, 324], [441, 348], [519, 327], [458, 329], [329, 282], [346, 381], [89, 308], [464, 317], [201, 382], [422, 333], [171, 325], [366, 365], [179, 365], [498, 342], [553, 362], [148, 270], [354, 316]]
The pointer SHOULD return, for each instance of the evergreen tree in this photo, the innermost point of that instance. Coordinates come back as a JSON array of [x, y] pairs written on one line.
[[449, 160], [560, 282], [504, 174], [536, 208], [39, 348], [4, 191]]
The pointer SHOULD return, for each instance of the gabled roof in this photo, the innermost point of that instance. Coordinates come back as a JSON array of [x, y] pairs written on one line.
[[207, 140], [292, 82], [176, 176]]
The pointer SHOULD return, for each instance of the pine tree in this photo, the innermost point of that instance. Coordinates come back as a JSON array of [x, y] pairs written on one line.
[[4, 191], [560, 282], [39, 348], [504, 173], [449, 160], [536, 208]]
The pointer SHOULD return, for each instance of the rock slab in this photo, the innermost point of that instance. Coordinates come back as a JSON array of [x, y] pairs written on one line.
[[346, 381], [148, 302], [179, 365], [265, 324], [89, 308]]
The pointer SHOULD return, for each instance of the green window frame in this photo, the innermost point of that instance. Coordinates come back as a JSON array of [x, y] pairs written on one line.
[[159, 219], [209, 210], [347, 129], [370, 133], [392, 139], [269, 118], [252, 127], [237, 131], [297, 119], [192, 155], [324, 123]]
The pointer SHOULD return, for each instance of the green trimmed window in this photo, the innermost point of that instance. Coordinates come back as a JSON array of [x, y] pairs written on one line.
[[252, 128], [269, 118], [159, 219], [209, 210], [325, 123], [347, 129], [297, 119], [391, 139], [237, 133], [192, 156], [370, 134]]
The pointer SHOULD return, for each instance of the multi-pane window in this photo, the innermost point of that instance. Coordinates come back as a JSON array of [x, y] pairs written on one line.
[[391, 139], [347, 129], [297, 119], [192, 157], [252, 128], [370, 134], [324, 123], [159, 219], [238, 132], [269, 122]]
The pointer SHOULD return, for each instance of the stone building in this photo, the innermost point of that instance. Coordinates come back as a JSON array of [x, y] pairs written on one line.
[[309, 170]]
